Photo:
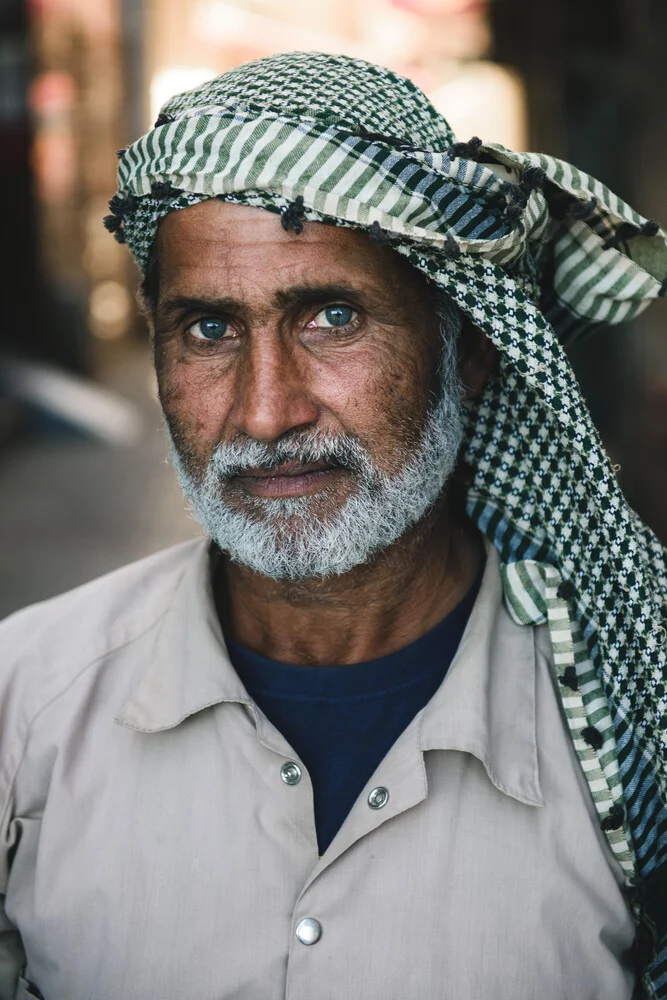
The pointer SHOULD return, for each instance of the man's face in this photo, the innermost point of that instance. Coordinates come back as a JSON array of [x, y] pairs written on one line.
[[297, 375]]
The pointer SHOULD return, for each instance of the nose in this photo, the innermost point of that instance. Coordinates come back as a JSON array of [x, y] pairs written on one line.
[[272, 395]]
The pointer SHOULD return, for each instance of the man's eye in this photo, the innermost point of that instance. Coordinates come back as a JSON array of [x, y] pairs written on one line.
[[334, 316], [210, 329]]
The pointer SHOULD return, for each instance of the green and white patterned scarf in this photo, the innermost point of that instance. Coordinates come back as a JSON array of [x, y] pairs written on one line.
[[536, 253]]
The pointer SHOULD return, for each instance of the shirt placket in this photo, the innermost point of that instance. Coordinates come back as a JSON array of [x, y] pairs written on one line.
[[398, 784]]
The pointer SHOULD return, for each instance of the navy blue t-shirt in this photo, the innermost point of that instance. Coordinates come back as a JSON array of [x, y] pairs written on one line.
[[342, 721]]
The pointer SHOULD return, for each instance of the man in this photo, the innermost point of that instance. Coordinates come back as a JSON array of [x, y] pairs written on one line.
[[349, 749]]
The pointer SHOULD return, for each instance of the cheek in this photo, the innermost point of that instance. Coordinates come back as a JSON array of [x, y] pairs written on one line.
[[380, 396], [193, 398], [403, 403]]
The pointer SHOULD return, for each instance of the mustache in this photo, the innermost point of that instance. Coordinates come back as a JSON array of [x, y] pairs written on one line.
[[339, 451]]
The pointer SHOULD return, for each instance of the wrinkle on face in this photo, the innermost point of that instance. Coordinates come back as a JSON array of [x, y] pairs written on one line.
[[376, 387]]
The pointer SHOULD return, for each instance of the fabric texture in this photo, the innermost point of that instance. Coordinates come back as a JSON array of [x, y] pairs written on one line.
[[343, 721], [162, 855], [536, 253]]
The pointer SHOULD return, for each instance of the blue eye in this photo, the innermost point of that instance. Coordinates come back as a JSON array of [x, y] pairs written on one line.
[[209, 329], [336, 315]]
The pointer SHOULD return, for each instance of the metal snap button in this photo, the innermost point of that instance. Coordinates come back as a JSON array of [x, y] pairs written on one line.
[[290, 773], [378, 797], [308, 930]]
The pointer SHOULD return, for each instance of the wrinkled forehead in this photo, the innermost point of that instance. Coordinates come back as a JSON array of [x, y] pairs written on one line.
[[218, 243]]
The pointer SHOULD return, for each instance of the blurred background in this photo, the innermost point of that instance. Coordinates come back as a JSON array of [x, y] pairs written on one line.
[[84, 482]]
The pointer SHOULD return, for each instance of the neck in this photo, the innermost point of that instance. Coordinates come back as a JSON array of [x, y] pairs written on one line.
[[369, 612]]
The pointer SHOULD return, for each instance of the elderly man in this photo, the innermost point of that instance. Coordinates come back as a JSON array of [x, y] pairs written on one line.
[[397, 730]]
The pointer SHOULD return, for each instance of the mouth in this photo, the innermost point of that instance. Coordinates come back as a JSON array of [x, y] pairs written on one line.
[[289, 479]]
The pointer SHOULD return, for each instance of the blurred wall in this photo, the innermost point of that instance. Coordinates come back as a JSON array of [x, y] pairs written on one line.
[[20, 281]]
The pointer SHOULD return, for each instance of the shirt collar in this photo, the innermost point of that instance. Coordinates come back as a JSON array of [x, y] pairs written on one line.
[[486, 703], [485, 706], [188, 668]]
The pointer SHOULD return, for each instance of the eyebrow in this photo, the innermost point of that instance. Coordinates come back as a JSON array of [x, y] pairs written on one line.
[[305, 295], [302, 295], [193, 303]]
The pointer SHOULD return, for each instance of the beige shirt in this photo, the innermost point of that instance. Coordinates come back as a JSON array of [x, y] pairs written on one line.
[[150, 848]]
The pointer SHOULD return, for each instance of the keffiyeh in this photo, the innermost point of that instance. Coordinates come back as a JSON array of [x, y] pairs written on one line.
[[536, 253]]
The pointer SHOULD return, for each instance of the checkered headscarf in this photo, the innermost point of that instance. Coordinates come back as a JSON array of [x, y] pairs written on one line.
[[536, 253]]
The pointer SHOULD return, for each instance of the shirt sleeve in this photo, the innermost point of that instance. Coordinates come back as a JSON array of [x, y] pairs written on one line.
[[15, 710], [12, 956]]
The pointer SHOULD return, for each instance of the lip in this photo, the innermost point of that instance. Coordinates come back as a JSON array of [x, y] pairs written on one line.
[[291, 479], [291, 469]]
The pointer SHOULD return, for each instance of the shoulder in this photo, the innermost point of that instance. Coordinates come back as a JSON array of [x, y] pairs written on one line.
[[43, 648]]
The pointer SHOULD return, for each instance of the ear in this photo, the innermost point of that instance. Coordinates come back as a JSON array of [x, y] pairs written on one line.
[[477, 358]]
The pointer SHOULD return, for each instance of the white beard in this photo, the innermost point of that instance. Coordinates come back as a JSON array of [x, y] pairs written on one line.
[[286, 538]]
